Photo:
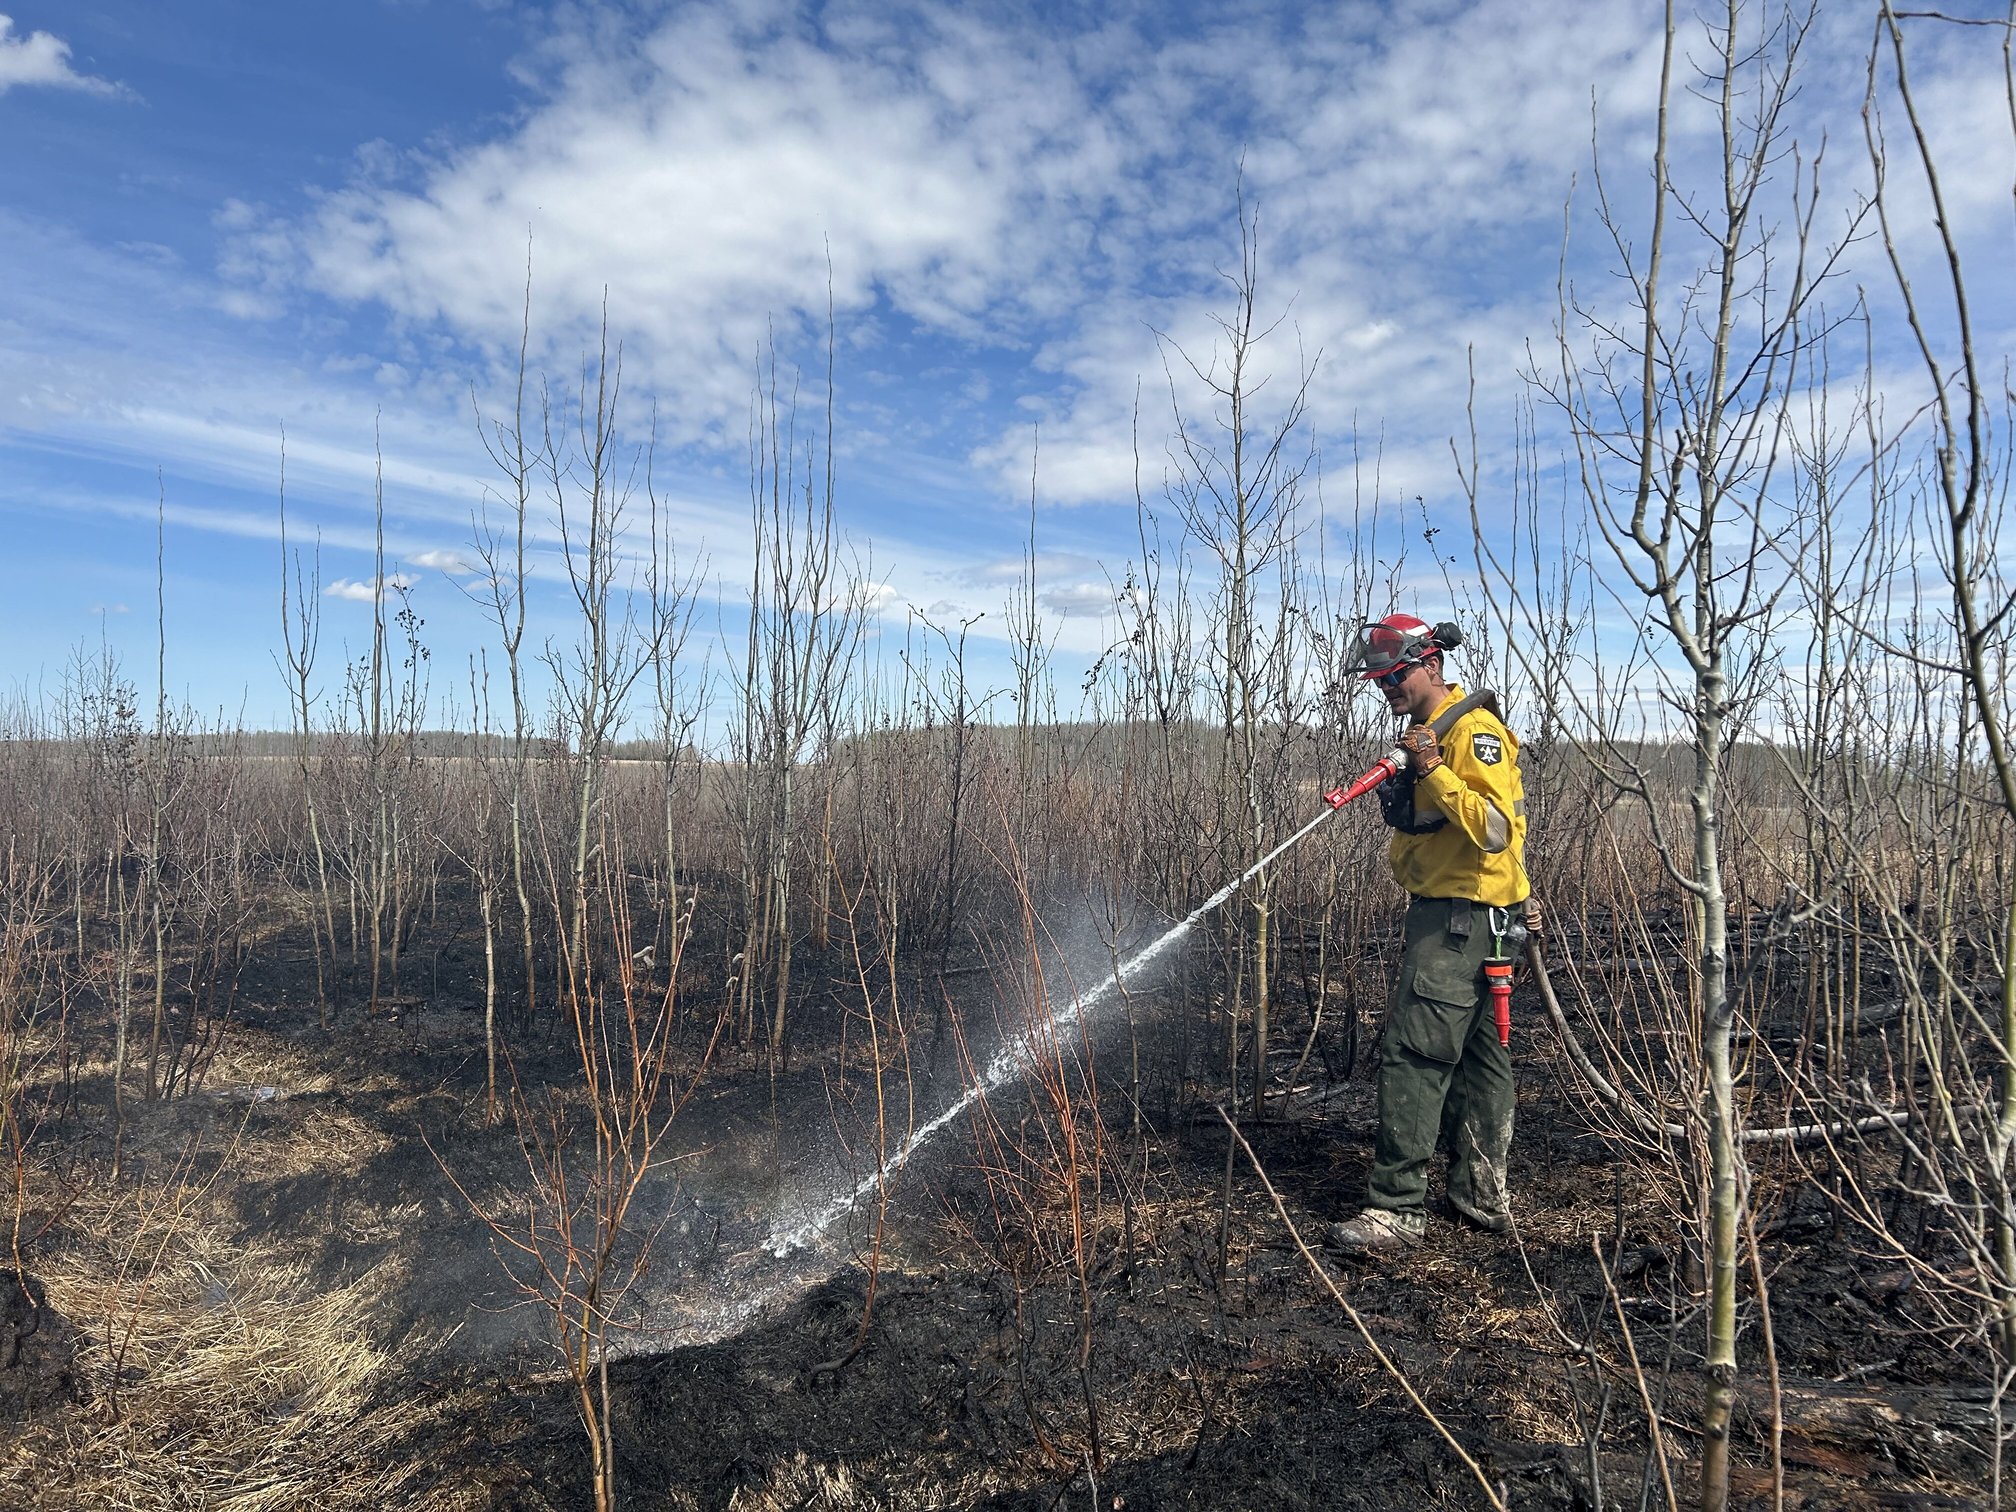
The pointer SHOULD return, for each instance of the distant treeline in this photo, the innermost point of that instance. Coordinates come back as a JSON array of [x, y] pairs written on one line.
[[1095, 742], [426, 744]]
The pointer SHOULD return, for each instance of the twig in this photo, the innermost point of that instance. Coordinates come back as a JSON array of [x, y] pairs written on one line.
[[1652, 1418], [1358, 1322]]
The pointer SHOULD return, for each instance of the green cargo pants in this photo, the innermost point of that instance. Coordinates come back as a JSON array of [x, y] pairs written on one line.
[[1442, 1074]]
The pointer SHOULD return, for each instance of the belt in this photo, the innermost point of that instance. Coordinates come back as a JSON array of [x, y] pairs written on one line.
[[1504, 924]]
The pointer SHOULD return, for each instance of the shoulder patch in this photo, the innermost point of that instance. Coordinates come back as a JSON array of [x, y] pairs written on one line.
[[1487, 748]]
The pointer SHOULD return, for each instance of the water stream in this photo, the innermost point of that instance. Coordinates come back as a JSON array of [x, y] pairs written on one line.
[[1011, 1061]]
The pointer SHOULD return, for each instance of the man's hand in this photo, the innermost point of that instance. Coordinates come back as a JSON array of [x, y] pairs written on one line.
[[1424, 751], [1536, 926]]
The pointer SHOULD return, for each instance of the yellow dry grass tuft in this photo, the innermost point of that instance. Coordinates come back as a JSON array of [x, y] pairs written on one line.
[[214, 1376], [331, 1138], [800, 1483], [247, 1061]]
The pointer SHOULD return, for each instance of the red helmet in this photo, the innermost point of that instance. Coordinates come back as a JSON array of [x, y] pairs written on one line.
[[1397, 641]]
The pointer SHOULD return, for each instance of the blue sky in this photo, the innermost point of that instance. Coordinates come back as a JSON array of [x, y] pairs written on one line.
[[221, 221]]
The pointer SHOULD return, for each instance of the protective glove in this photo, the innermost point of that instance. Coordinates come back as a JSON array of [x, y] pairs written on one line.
[[1536, 924], [1424, 751]]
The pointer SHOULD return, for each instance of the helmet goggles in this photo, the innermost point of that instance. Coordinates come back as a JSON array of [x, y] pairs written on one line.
[[1388, 649]]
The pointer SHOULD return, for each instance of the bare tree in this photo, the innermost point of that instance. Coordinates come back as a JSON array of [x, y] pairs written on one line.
[[807, 605], [500, 589], [681, 699], [1677, 410], [1236, 485], [591, 489], [300, 639]]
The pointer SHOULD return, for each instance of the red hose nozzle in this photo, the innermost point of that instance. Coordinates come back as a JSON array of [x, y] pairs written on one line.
[[1498, 982], [1387, 766]]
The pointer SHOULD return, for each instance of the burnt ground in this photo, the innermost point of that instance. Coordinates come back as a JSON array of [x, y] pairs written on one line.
[[995, 1370]]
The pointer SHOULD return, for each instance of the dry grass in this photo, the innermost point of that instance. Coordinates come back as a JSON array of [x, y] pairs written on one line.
[[213, 1375], [800, 1483]]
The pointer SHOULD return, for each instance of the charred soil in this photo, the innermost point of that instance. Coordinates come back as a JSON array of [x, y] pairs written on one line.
[[301, 1289]]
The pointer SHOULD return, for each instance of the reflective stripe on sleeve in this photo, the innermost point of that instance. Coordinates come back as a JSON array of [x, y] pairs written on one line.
[[1497, 829]]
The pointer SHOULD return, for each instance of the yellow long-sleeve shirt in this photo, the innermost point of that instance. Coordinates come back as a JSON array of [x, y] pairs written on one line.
[[1480, 854]]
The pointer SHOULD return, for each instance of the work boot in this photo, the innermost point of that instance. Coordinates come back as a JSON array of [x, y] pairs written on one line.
[[1376, 1232], [1490, 1220]]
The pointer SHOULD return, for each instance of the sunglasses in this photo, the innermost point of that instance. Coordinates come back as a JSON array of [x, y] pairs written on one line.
[[1397, 676]]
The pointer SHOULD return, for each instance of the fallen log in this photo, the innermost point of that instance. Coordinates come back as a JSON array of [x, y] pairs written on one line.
[[1860, 1430], [1646, 1122], [1853, 1412]]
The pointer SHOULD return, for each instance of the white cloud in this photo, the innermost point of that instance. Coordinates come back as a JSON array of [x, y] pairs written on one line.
[[711, 176], [1963, 105], [1001, 574], [1408, 184], [1012, 212], [366, 590], [41, 58], [452, 562], [1067, 194], [1079, 598], [870, 599]]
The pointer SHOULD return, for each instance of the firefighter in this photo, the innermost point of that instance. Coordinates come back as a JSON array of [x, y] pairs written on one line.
[[1458, 812]]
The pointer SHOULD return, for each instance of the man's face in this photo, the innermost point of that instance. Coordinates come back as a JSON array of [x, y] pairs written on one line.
[[1399, 687]]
